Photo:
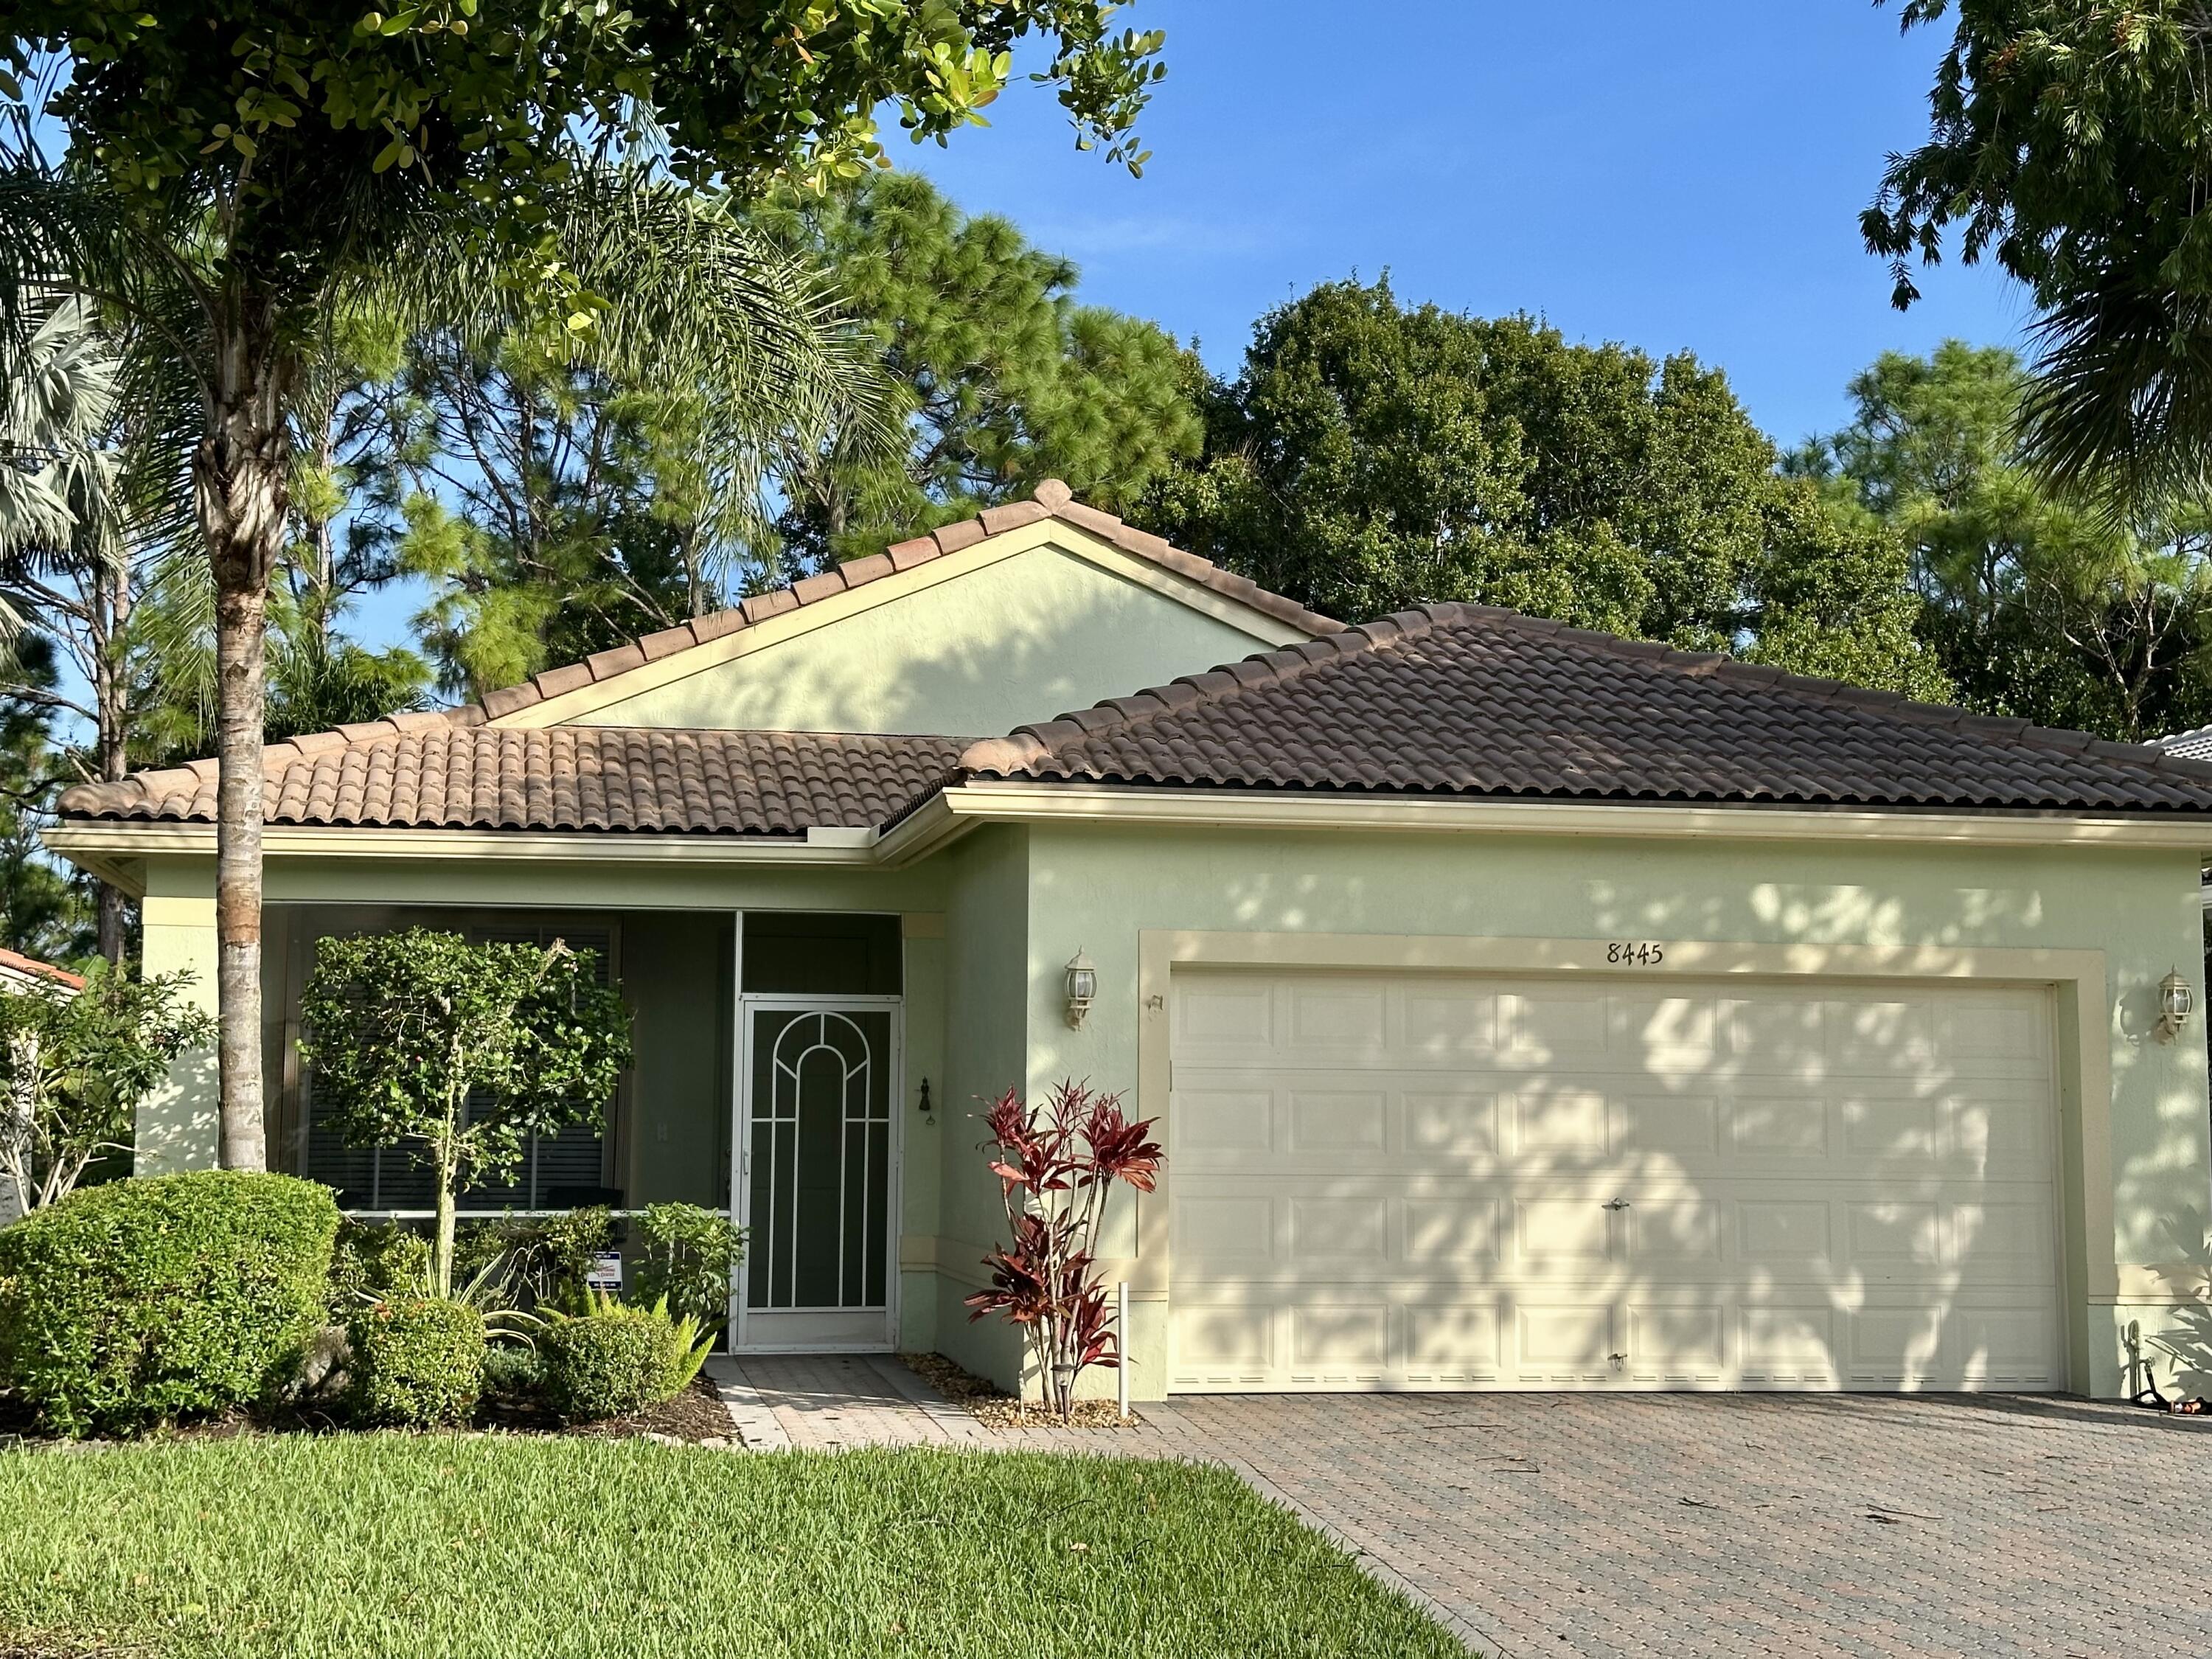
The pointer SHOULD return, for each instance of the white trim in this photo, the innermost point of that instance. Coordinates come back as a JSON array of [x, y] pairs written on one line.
[[740, 1141], [1311, 810], [953, 812]]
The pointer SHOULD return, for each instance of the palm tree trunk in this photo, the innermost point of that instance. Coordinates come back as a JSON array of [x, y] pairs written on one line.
[[113, 612], [241, 484]]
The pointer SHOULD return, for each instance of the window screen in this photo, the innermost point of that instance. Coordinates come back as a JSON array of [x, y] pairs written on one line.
[[822, 953]]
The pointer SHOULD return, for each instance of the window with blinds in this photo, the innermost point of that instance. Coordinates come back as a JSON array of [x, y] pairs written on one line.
[[557, 1172]]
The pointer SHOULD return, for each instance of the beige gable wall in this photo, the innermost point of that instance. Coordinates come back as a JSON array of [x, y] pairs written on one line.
[[972, 644]]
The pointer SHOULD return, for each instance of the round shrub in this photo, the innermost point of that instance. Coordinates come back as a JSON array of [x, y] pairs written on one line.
[[375, 1260], [418, 1363], [609, 1364], [156, 1298]]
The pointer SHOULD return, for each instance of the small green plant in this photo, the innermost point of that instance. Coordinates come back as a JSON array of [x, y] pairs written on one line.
[[688, 1256], [516, 1374], [74, 1068], [542, 1259], [418, 1363], [617, 1357], [373, 1260], [149, 1300]]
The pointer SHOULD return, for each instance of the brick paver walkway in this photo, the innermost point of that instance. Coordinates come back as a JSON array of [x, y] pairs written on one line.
[[1716, 1526]]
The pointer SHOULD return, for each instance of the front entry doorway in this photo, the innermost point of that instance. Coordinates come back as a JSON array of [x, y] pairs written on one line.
[[817, 1180]]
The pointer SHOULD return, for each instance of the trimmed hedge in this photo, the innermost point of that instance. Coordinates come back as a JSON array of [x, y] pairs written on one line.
[[149, 1300], [609, 1364], [418, 1363]]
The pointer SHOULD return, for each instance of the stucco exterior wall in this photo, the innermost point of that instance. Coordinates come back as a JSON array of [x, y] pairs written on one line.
[[179, 1123], [988, 1037], [1101, 888], [1023, 638]]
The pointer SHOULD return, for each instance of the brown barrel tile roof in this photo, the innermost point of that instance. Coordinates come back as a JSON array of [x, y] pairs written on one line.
[[1460, 699], [419, 772]]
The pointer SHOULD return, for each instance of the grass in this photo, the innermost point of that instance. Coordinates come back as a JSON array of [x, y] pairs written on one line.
[[397, 1546]]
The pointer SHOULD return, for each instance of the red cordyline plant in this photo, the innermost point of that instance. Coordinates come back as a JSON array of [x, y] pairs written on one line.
[[1057, 1164]]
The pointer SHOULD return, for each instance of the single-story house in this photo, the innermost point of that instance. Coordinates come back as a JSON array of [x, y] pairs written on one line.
[[1522, 1007]]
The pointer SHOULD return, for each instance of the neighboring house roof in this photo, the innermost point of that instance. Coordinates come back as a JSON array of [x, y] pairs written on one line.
[[16, 969], [419, 772], [2190, 745], [1468, 699]]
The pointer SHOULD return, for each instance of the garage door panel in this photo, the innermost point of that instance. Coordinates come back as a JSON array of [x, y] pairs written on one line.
[[1235, 1120], [1443, 1232], [1454, 1346], [1450, 1181], [1680, 1346], [1450, 1120], [1333, 1121]]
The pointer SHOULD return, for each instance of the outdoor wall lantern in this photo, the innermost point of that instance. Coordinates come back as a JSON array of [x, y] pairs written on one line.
[[2176, 1001], [927, 1110], [1082, 987]]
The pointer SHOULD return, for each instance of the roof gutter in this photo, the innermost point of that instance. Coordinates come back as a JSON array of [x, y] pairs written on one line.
[[955, 810], [115, 850]]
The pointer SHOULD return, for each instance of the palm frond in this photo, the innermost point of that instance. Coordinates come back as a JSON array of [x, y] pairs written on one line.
[[2119, 414], [703, 307]]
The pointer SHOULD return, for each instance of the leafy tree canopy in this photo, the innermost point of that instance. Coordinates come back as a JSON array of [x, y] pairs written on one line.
[[1371, 456], [74, 1068], [260, 107], [2072, 140], [2035, 606], [403, 1029], [1002, 379]]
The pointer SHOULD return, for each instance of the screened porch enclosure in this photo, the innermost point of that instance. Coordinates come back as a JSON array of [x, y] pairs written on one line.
[[765, 1084]]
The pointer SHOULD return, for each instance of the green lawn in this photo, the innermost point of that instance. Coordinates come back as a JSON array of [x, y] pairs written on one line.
[[391, 1546]]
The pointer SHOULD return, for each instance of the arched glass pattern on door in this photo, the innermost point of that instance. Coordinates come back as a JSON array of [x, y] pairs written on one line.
[[820, 1161]]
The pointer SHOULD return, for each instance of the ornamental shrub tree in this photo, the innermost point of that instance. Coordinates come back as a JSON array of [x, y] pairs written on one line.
[[403, 1029], [74, 1070], [418, 1363], [1057, 1165]]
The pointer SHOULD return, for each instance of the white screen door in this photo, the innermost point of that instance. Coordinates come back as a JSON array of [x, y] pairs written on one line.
[[817, 1176]]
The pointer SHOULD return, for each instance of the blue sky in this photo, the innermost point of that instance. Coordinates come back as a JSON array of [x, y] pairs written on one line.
[[1667, 176]]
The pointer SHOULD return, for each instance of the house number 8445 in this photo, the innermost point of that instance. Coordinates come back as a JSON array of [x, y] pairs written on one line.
[[1623, 954]]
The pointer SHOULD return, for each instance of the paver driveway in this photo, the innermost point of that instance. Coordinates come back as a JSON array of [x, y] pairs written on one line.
[[1691, 1524], [1759, 1524]]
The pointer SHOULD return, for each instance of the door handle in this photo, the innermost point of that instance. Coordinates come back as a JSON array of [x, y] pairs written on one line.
[[1618, 1204]]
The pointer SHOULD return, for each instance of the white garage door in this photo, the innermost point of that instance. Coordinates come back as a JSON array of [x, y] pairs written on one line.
[[1461, 1182]]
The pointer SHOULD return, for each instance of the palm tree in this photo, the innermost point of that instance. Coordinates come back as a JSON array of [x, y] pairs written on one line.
[[66, 538], [220, 365]]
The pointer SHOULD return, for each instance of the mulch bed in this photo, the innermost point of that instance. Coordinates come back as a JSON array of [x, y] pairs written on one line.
[[694, 1417], [992, 1408]]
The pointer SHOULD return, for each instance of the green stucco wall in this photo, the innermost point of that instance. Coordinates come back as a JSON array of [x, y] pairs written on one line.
[[988, 1040], [993, 919], [1024, 639], [1099, 887]]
